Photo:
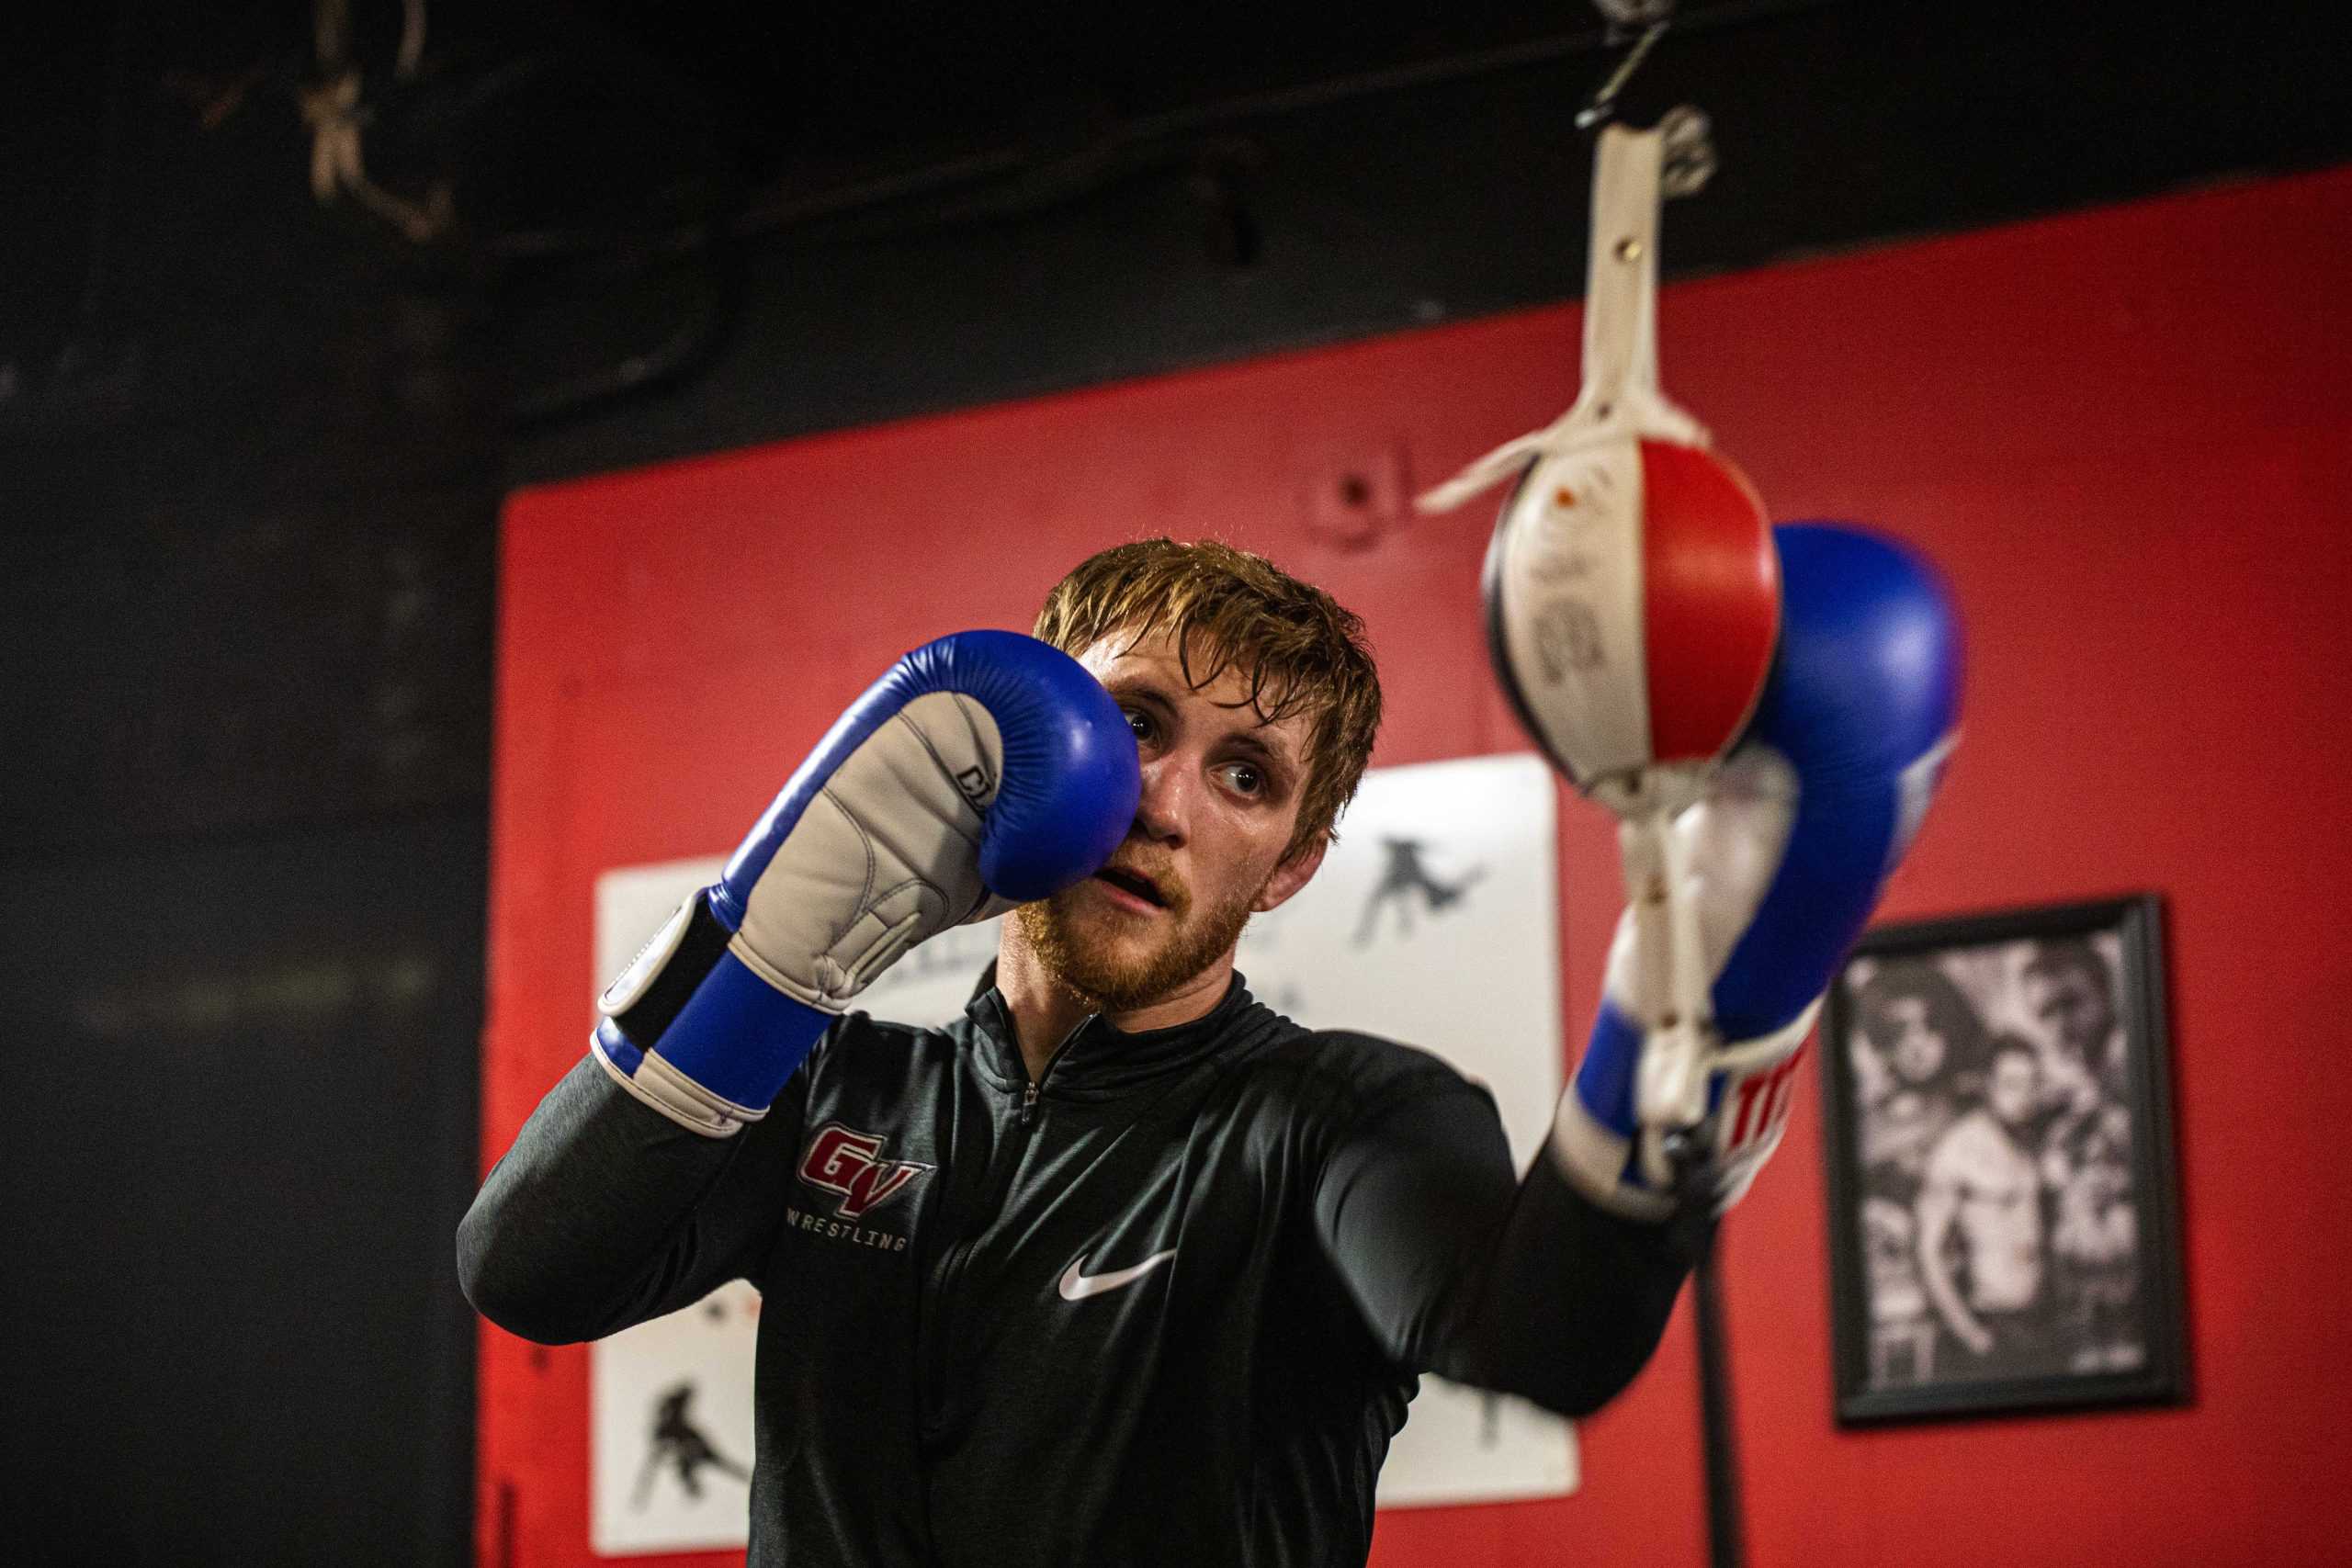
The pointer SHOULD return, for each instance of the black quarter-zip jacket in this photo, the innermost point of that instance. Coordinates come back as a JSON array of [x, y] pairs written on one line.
[[1166, 1306]]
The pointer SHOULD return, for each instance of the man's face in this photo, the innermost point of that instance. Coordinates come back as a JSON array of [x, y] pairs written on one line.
[[1917, 1052], [2016, 1086], [2073, 1008], [1221, 793]]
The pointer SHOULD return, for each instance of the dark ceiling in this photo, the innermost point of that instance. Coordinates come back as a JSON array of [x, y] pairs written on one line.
[[626, 186]]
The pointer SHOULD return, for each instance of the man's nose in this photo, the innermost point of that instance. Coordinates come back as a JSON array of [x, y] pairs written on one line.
[[1163, 812]]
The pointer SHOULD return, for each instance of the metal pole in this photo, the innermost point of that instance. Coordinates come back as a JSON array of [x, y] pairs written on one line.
[[1726, 1543]]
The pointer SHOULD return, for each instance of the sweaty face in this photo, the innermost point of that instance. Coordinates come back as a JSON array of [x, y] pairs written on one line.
[[1221, 791]]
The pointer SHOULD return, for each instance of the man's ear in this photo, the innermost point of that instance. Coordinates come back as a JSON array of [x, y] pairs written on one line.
[[1291, 875]]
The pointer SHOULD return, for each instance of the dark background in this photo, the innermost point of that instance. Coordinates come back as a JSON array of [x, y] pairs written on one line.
[[253, 447]]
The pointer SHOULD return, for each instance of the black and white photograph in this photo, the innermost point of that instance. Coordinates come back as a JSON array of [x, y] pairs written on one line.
[[1998, 1142]]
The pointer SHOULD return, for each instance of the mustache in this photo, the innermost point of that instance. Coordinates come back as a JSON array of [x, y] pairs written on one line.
[[1154, 871]]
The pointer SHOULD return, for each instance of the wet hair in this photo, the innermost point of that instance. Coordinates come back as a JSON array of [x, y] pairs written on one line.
[[1223, 609], [1948, 1014]]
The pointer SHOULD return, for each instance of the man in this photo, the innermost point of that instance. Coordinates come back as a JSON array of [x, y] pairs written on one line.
[[1926, 1053], [1928, 1050], [1121, 1267], [2069, 990], [1984, 1190]]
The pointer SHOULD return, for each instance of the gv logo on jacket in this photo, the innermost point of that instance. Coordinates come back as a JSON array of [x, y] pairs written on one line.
[[848, 1163]]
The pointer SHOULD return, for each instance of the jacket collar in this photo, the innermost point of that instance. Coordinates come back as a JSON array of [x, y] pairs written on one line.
[[1100, 1061]]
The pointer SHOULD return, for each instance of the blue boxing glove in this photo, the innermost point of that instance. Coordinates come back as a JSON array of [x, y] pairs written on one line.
[[985, 770], [1786, 856]]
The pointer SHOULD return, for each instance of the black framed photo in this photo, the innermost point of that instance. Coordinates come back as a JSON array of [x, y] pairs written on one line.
[[2003, 1215]]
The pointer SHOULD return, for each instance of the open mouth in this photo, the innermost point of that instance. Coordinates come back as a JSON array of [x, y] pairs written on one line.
[[1134, 882]]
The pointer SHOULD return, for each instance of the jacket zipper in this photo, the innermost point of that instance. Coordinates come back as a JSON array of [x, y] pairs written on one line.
[[1007, 1162]]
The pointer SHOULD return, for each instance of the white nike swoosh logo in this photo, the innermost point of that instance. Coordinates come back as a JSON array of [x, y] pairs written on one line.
[[1077, 1286]]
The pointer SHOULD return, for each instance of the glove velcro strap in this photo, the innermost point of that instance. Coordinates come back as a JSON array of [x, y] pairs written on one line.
[[666, 1089], [1596, 1162], [1595, 1136], [724, 1058]]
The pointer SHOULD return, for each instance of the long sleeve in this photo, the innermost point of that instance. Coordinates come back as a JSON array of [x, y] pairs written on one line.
[[605, 1213], [1521, 1287]]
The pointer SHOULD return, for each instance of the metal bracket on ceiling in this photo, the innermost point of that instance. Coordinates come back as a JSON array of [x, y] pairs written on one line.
[[1645, 21], [1688, 152]]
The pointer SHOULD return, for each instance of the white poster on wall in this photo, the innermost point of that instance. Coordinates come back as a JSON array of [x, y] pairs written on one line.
[[1434, 921], [670, 1430]]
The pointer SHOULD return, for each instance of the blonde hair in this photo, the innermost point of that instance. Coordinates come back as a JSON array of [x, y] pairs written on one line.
[[1299, 650]]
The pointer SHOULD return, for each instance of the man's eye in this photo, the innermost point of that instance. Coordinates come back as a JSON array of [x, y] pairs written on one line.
[[1140, 722], [1245, 778]]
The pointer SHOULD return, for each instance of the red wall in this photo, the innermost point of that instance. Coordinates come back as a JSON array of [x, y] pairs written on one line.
[[2126, 436]]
